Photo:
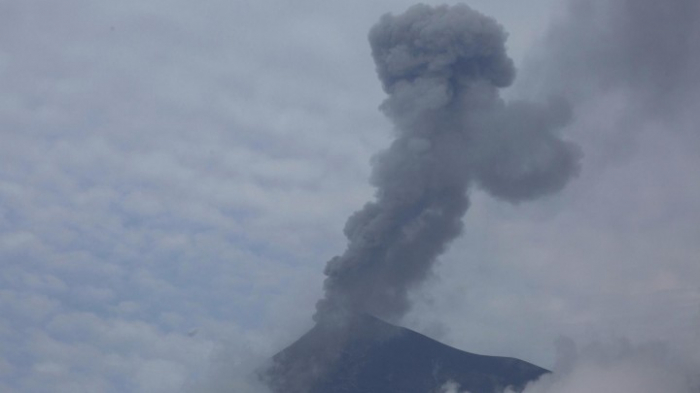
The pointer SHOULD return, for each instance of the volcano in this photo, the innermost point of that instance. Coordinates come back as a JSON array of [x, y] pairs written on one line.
[[368, 355]]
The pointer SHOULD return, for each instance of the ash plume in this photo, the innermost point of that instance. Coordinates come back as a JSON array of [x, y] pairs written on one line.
[[442, 68], [646, 50]]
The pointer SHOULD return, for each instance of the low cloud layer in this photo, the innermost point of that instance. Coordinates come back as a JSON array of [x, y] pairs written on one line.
[[619, 366]]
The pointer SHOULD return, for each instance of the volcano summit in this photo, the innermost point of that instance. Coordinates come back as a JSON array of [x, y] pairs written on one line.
[[368, 355]]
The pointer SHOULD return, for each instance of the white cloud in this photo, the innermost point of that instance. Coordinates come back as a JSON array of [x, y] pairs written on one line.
[[618, 366], [450, 387], [143, 193]]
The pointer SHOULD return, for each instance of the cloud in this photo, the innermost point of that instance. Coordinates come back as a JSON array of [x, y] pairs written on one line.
[[233, 367], [615, 252], [635, 58], [151, 184], [618, 366], [644, 47], [170, 166], [630, 69], [449, 387]]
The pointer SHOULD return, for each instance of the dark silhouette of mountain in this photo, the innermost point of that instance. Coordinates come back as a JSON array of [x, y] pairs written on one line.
[[367, 355]]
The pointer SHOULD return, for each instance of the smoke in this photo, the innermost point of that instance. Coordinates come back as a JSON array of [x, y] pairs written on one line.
[[644, 50], [450, 387], [643, 57], [232, 368], [619, 366], [615, 365], [442, 68]]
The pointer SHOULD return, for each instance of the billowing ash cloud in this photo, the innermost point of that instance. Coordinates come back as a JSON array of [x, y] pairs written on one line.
[[441, 68]]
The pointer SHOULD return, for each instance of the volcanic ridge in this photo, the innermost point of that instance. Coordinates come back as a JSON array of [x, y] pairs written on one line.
[[368, 355]]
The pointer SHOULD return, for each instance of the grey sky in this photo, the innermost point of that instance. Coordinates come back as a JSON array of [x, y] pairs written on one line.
[[170, 166]]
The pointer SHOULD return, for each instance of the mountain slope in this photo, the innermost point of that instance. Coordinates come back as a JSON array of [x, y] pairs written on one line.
[[367, 355]]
